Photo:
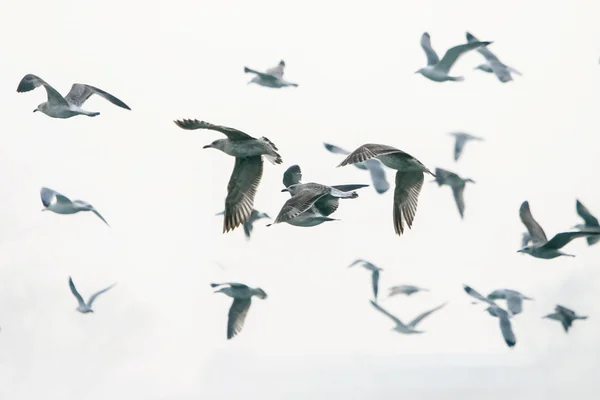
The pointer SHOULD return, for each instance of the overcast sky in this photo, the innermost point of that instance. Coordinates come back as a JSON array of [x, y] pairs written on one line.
[[161, 332]]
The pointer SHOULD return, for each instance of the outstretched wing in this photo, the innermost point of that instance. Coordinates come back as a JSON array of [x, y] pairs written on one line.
[[231, 133], [419, 318], [484, 51], [538, 237], [406, 196], [241, 191], [587, 216], [30, 82], [336, 149], [48, 195], [298, 204], [368, 151], [455, 52], [432, 57], [79, 93], [237, 316], [383, 311], [561, 239], [93, 297], [506, 329], [262, 75], [76, 293], [458, 192]]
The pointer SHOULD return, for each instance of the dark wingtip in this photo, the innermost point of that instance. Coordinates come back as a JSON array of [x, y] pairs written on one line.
[[511, 343]]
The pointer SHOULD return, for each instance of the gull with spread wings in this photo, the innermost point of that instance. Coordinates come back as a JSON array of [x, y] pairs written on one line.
[[272, 77], [444, 177], [69, 106], [84, 307], [461, 138], [61, 204], [374, 274], [409, 178], [437, 70], [247, 171], [493, 65], [540, 246], [565, 316], [404, 328], [242, 298]]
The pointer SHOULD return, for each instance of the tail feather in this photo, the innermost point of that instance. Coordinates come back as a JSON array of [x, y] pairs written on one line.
[[271, 143], [276, 159]]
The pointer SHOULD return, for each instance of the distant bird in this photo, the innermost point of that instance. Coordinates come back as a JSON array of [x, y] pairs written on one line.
[[406, 290], [437, 70], [374, 167], [249, 224], [272, 77], [565, 316], [514, 299], [83, 307], [590, 223], [461, 138], [496, 311], [242, 298], [444, 177], [409, 178], [374, 274], [69, 106], [400, 326], [61, 204], [247, 171], [541, 247], [311, 203], [493, 65]]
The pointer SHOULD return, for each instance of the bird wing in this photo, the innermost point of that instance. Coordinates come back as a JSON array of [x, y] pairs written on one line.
[[298, 204], [511, 69], [459, 145], [262, 75], [432, 57], [48, 194], [368, 151], [442, 175], [506, 328], [514, 303], [241, 190], [99, 216], [382, 310], [564, 310], [30, 82], [377, 175], [93, 297], [587, 216], [231, 133], [365, 263], [327, 205], [375, 282], [292, 176], [79, 93], [406, 195], [349, 187], [473, 293], [248, 228], [419, 318], [232, 284], [458, 192], [453, 53], [336, 149], [561, 239], [76, 293], [276, 71], [484, 51], [237, 316], [538, 237]]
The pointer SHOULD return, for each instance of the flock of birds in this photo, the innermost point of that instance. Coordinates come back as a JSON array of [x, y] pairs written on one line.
[[311, 204]]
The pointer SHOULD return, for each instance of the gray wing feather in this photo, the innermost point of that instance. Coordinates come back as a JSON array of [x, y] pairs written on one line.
[[298, 204], [237, 316], [335, 149], [406, 195], [432, 57], [241, 191], [455, 52], [93, 297], [375, 281], [561, 239], [368, 151], [382, 310], [515, 304], [30, 82], [506, 328], [79, 93], [231, 133], [587, 216], [76, 293], [100, 216], [263, 75], [419, 318], [458, 192], [536, 232]]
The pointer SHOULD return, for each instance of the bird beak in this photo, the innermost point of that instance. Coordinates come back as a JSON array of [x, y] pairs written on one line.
[[285, 190], [44, 209], [35, 110], [208, 146], [528, 298], [520, 251], [267, 216]]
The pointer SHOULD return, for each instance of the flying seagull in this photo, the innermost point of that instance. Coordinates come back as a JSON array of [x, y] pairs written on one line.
[[272, 77], [374, 167], [66, 107], [461, 138], [249, 224], [409, 178], [242, 298], [493, 65], [437, 70], [541, 247], [311, 203], [61, 204], [83, 307], [405, 289], [514, 299], [400, 326], [496, 311], [374, 274], [247, 171], [590, 223], [444, 177], [565, 316]]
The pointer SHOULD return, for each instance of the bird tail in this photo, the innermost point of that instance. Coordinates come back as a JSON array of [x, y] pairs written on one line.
[[458, 78], [581, 317], [274, 158]]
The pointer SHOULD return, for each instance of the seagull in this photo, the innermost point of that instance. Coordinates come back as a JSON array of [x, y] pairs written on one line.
[[514, 299], [461, 139], [272, 77], [437, 70], [444, 177], [83, 307], [590, 223], [248, 225], [60, 204], [242, 298], [66, 107], [493, 64], [311, 203], [410, 328], [565, 316], [541, 247], [405, 289], [374, 167], [409, 178], [496, 311], [247, 171], [374, 274]]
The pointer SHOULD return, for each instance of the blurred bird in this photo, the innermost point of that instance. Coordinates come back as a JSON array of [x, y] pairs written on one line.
[[565, 316], [83, 307], [272, 77], [444, 177], [374, 274], [61, 204], [493, 65], [590, 223], [242, 298], [400, 326], [461, 138]]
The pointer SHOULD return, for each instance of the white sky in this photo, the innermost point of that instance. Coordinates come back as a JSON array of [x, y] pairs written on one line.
[[160, 333]]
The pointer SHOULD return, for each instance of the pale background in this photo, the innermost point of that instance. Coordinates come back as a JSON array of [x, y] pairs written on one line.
[[160, 333]]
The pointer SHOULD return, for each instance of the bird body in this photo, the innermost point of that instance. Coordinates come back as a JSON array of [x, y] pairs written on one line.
[[565, 316], [405, 289], [514, 299], [242, 298]]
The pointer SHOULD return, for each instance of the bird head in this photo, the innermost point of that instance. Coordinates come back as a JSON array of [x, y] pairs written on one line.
[[39, 107], [469, 180], [526, 250], [217, 144], [419, 71]]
